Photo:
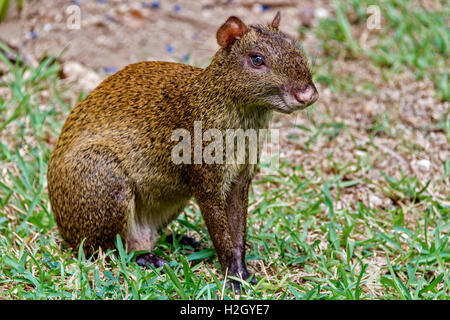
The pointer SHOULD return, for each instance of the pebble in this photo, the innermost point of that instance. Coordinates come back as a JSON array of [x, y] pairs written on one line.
[[33, 35], [260, 7], [321, 13], [110, 70], [423, 164], [307, 17], [360, 153], [154, 5], [84, 77], [374, 201]]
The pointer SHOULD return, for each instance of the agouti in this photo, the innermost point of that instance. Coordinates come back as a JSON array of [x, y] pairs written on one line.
[[111, 171]]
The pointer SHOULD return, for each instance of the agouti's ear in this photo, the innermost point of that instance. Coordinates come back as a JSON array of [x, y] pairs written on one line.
[[276, 21], [231, 30]]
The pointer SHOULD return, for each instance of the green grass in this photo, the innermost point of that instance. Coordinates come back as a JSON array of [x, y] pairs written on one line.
[[410, 38], [4, 6], [303, 243]]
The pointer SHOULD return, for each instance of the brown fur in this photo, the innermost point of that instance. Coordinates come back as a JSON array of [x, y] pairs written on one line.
[[111, 170]]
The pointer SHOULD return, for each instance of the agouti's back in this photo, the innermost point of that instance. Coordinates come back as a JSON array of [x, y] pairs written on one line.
[[141, 97]]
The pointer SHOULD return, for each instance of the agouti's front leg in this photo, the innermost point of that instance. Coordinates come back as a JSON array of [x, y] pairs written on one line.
[[225, 215], [237, 208]]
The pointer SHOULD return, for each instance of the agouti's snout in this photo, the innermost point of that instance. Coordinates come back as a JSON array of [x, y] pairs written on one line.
[[306, 96], [298, 97]]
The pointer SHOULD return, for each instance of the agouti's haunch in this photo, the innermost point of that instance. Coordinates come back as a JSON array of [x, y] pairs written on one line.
[[111, 171]]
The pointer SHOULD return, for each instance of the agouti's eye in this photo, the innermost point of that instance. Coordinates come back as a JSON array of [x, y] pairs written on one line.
[[257, 61]]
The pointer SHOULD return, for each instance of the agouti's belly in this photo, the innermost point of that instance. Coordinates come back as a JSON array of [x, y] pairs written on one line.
[[158, 203]]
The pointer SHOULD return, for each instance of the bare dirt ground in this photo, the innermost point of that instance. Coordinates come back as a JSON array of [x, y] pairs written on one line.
[[115, 33]]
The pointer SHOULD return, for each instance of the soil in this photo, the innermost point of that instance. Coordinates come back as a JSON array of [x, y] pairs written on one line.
[[115, 33]]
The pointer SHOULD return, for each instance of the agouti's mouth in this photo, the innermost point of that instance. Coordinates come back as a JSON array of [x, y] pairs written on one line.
[[289, 104], [288, 101], [297, 99]]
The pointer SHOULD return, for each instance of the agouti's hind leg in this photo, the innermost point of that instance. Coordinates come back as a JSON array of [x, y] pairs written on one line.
[[142, 236], [91, 197]]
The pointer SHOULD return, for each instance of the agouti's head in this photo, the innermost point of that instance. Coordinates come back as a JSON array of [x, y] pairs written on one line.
[[266, 64]]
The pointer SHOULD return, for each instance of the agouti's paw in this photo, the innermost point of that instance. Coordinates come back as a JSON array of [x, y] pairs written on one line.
[[239, 288], [183, 240], [149, 259], [237, 285]]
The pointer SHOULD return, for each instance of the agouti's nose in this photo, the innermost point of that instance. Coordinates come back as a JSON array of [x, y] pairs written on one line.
[[306, 95]]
